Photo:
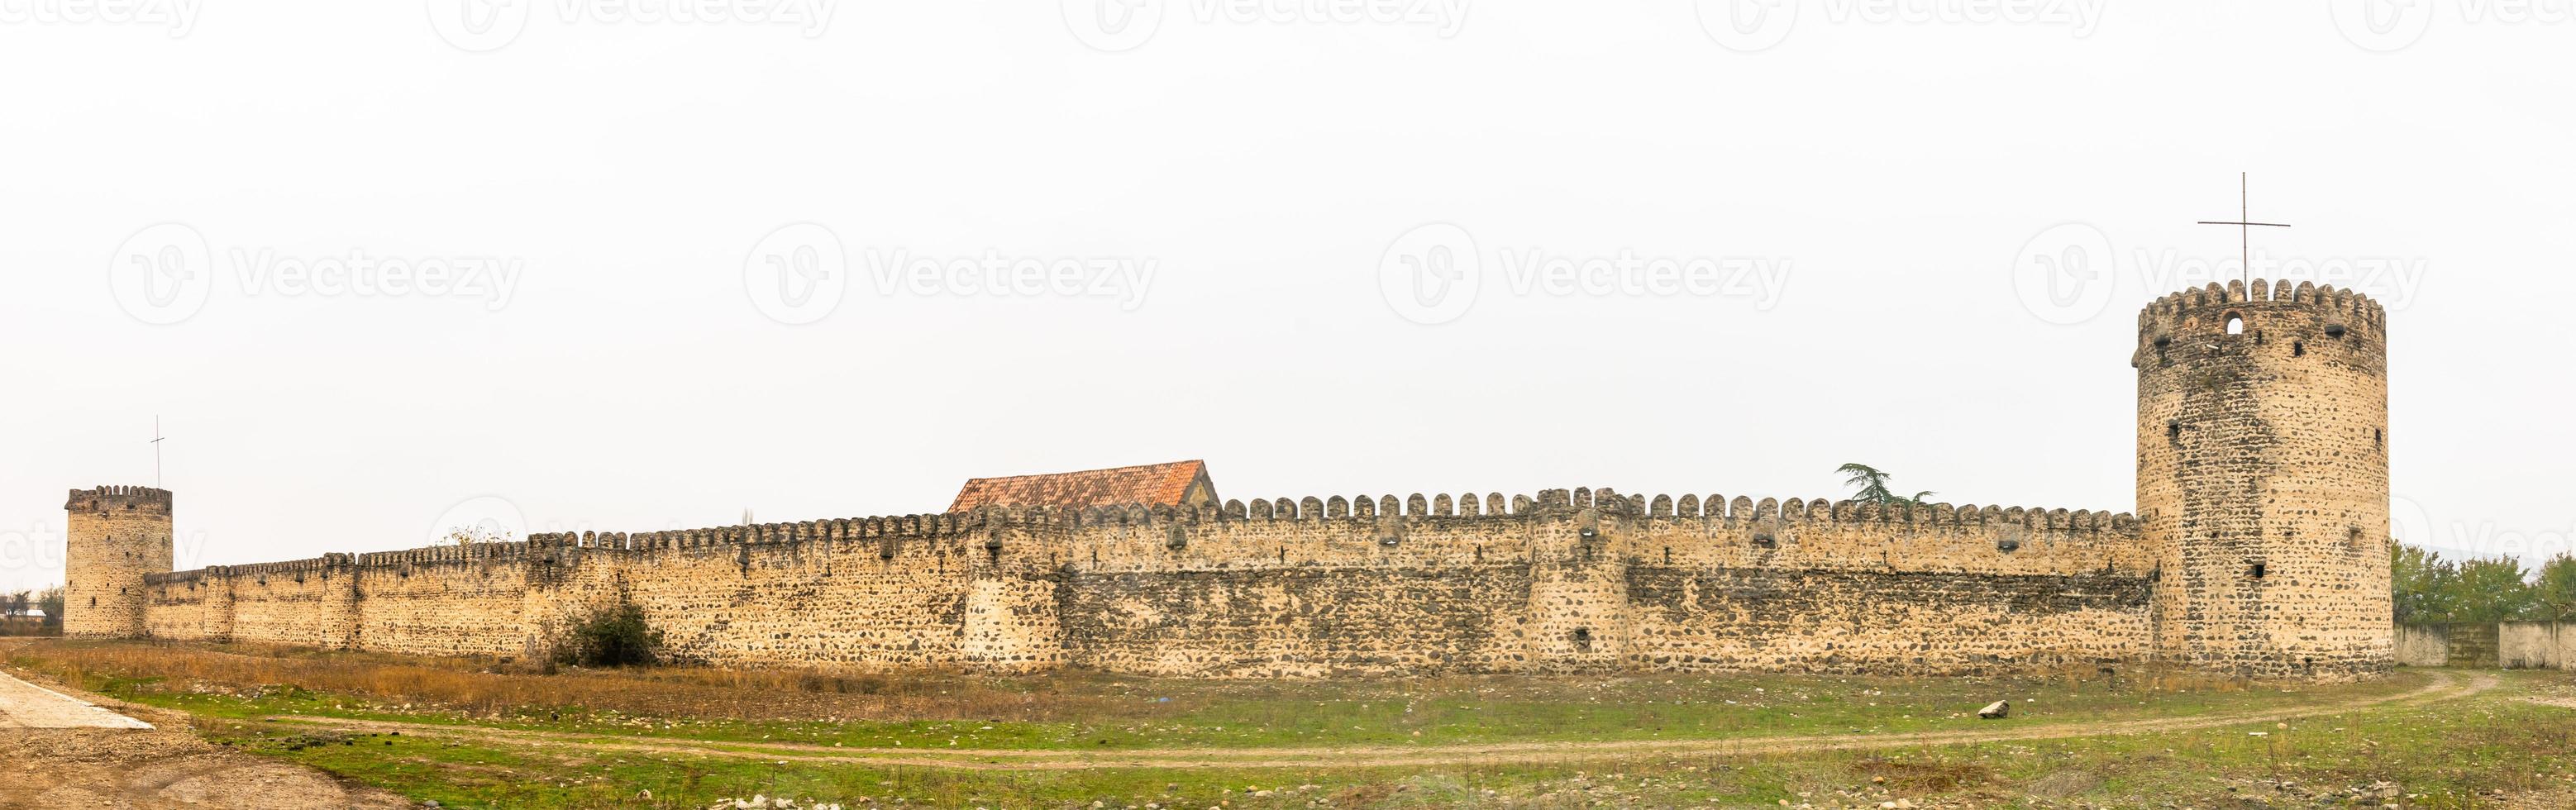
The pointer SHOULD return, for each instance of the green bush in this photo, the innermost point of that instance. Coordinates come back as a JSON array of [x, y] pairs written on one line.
[[612, 636]]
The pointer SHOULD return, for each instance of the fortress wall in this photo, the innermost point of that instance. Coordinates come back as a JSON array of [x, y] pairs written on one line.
[[441, 601], [1662, 584], [310, 603], [183, 606], [890, 600], [1934, 590], [1566, 582], [1297, 597]]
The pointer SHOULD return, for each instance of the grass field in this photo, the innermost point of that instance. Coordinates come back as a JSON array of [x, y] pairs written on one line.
[[469, 735]]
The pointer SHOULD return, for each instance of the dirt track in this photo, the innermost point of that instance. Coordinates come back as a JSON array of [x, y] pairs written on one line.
[[2445, 686], [26, 705], [153, 767]]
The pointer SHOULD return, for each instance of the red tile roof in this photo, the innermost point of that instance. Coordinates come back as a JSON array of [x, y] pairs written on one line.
[[1147, 484]]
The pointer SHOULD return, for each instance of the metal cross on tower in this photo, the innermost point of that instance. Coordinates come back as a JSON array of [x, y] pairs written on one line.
[[156, 451], [2244, 241]]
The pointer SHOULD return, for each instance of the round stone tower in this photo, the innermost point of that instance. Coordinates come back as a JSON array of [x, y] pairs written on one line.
[[2263, 479], [116, 535]]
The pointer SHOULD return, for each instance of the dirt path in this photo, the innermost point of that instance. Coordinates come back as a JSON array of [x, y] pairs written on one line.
[[26, 705], [58, 755], [2445, 686]]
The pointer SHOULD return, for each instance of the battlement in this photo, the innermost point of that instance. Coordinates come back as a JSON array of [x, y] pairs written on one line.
[[1469, 506], [261, 571], [190, 577], [1361, 511], [145, 500], [1607, 501], [2202, 309]]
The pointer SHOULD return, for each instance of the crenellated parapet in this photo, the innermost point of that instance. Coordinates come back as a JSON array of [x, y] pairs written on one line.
[[292, 569], [190, 578], [2303, 311], [120, 499]]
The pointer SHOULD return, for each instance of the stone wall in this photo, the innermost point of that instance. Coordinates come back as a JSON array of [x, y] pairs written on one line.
[[2511, 645], [2263, 478], [1563, 582], [114, 537]]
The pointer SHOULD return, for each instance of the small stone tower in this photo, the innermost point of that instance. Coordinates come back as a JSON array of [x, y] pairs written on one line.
[[116, 535], [2263, 479]]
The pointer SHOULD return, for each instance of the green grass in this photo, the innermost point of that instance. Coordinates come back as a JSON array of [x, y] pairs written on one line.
[[2444, 754], [1148, 713]]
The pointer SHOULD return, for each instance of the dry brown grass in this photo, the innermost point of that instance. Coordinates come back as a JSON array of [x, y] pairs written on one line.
[[488, 687]]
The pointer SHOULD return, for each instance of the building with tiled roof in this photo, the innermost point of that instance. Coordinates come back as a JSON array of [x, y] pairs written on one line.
[[1167, 484]]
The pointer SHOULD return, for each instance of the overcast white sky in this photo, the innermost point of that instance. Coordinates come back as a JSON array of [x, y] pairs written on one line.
[[1221, 197]]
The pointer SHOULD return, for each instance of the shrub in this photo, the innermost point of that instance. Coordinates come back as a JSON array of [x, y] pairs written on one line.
[[612, 636]]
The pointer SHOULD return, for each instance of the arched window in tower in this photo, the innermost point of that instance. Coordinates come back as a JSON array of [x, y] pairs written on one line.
[[2235, 324]]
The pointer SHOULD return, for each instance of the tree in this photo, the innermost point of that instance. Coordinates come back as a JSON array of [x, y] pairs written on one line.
[[1869, 485], [50, 600], [17, 604], [2553, 595], [2490, 591], [2420, 584], [478, 533]]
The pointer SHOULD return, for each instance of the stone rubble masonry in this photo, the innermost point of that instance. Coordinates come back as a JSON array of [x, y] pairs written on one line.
[[2263, 479], [2265, 447], [1569, 581], [114, 538]]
